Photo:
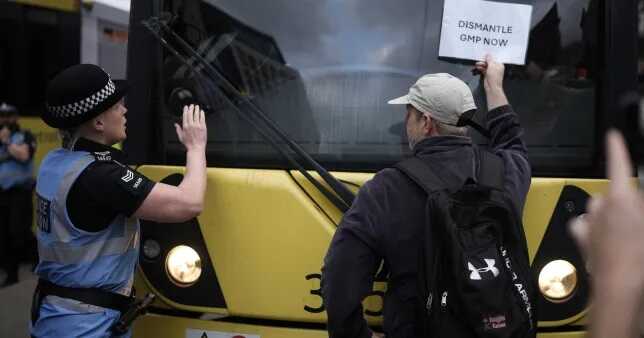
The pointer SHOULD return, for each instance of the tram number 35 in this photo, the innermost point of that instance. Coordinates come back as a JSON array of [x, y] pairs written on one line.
[[318, 293]]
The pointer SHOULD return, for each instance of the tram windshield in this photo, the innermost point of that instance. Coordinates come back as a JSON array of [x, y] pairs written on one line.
[[324, 70]]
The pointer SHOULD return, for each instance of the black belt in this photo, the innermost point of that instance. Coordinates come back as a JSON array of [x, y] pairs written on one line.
[[91, 296], [128, 306]]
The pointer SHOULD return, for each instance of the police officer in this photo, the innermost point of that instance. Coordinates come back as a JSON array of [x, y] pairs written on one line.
[[17, 149], [89, 204]]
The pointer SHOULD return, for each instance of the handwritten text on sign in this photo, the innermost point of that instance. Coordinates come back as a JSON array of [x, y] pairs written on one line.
[[473, 28]]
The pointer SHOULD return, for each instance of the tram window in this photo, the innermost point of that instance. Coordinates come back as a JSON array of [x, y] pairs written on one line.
[[324, 70]]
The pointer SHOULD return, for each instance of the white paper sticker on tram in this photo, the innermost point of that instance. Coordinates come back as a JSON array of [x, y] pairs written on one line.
[[195, 333], [473, 28]]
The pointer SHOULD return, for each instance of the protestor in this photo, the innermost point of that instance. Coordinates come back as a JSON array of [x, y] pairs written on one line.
[[89, 205], [387, 220], [611, 236], [17, 148]]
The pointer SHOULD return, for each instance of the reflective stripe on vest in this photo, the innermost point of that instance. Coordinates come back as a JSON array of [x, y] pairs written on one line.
[[70, 256]]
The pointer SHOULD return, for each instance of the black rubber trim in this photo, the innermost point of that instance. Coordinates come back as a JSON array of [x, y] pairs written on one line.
[[247, 321], [561, 329], [303, 325], [174, 312]]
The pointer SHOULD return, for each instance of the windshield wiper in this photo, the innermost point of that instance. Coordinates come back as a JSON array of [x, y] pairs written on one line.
[[341, 196]]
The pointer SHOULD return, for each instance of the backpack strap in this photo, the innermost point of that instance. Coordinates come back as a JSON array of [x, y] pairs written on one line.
[[421, 173], [429, 181], [491, 168], [490, 171]]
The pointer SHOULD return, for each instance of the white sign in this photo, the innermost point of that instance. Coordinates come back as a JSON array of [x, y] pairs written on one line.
[[193, 333], [473, 28]]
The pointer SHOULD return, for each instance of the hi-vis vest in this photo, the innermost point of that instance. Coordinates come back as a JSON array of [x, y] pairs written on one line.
[[70, 256], [12, 172]]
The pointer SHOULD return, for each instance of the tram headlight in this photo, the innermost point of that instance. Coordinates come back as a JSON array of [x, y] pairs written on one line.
[[558, 280], [183, 265]]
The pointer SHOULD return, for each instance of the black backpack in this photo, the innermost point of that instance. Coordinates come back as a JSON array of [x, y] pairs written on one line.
[[474, 275]]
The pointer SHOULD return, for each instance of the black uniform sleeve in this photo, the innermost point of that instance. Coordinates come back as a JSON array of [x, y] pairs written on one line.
[[507, 142], [104, 190], [351, 263]]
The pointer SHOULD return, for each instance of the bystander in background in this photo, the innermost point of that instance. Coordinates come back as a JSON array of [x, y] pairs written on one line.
[[17, 148]]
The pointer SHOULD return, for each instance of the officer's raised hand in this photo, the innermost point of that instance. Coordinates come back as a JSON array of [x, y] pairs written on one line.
[[167, 203], [193, 134]]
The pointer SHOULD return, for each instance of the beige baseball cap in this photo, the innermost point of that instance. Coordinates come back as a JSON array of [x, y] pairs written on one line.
[[442, 96]]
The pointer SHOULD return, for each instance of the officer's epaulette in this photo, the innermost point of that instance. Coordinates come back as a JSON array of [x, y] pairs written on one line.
[[104, 156]]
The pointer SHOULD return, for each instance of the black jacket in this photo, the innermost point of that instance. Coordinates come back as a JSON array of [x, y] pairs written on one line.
[[386, 220]]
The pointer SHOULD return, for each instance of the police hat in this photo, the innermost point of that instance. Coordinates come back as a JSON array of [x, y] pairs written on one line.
[[7, 110], [79, 93]]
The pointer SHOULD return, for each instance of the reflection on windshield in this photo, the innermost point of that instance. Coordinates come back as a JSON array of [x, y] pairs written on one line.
[[324, 70], [259, 75]]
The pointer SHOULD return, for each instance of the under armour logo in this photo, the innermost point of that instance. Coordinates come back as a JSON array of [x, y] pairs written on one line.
[[103, 155], [475, 274], [128, 176]]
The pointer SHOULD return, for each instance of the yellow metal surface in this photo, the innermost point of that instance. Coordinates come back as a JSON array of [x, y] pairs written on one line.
[[63, 5], [540, 205], [581, 320], [351, 180], [264, 237], [578, 319], [267, 232]]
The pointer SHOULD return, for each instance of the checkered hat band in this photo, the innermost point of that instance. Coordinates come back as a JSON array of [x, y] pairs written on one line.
[[84, 105]]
